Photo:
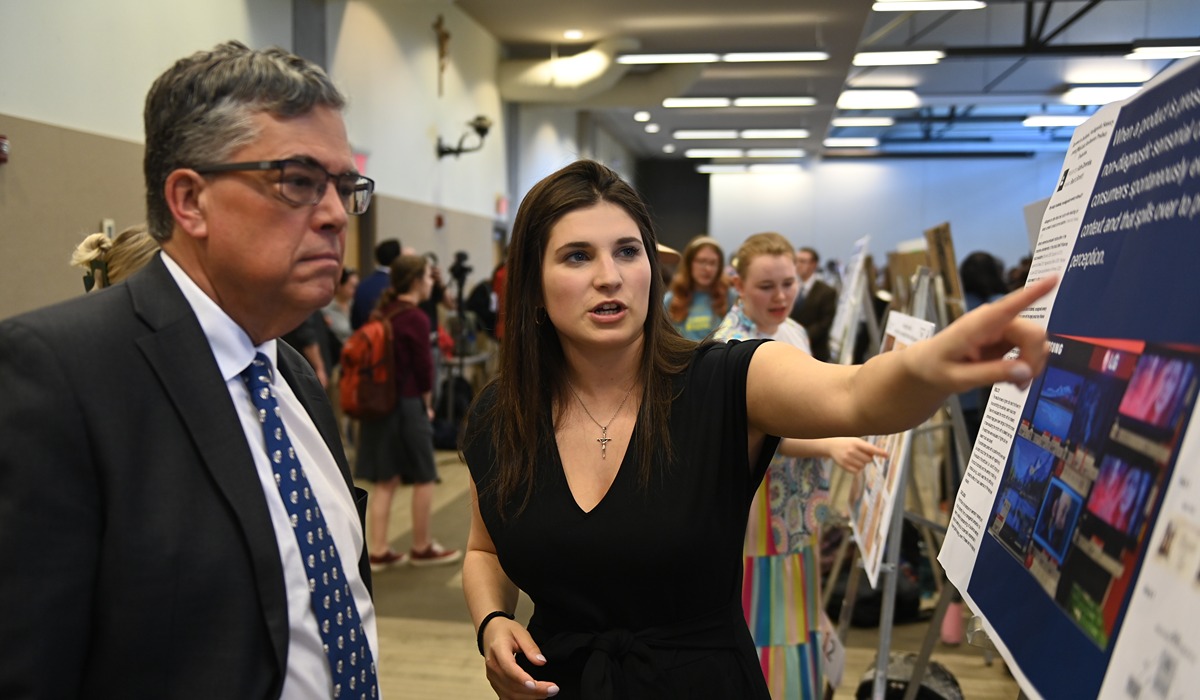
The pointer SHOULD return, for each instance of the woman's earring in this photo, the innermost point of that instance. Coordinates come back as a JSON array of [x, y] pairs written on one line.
[[538, 314]]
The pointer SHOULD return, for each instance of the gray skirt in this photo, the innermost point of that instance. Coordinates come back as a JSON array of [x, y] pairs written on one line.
[[400, 444]]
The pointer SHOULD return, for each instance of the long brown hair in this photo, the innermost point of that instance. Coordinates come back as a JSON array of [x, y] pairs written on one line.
[[533, 371], [683, 286], [404, 272]]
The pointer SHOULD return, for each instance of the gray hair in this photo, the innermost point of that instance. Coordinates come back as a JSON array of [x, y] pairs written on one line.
[[200, 110]]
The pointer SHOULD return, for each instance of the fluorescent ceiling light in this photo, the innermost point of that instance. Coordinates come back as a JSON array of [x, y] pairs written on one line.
[[636, 59], [678, 102], [572, 34], [1054, 120], [878, 99], [775, 153], [927, 5], [851, 142], [714, 153], [770, 56], [774, 133], [898, 58], [1157, 52], [642, 116], [775, 168], [1098, 94], [652, 128], [863, 121], [711, 169], [669, 148], [774, 101], [705, 134]]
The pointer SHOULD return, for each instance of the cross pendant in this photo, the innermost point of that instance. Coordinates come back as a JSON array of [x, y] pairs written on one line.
[[603, 440]]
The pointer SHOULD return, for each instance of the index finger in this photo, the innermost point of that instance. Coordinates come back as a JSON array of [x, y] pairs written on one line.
[[1015, 302]]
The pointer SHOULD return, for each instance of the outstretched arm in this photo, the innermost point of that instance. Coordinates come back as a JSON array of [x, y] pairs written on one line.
[[488, 589], [849, 453], [792, 395]]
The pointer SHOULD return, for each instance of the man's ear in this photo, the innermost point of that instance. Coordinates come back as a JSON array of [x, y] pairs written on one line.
[[184, 192]]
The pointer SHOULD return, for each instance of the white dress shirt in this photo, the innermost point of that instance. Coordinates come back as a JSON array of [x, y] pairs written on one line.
[[308, 675]]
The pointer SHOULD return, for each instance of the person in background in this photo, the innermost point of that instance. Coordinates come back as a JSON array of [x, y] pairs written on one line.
[[337, 312], [371, 287], [398, 448], [613, 462], [311, 339], [106, 261], [781, 596], [164, 457], [816, 303], [700, 294], [982, 277]]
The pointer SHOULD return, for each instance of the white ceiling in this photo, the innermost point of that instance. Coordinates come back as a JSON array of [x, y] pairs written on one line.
[[1007, 61]]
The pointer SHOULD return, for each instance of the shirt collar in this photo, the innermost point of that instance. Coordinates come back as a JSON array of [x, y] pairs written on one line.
[[231, 346]]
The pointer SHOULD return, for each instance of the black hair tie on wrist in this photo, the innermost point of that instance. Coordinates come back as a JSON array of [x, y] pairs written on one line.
[[490, 616]]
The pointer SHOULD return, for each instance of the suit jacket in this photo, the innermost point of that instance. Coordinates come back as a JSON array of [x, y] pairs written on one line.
[[139, 560], [815, 312]]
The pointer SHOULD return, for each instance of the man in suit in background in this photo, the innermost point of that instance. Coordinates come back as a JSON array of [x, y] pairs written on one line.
[[164, 457], [815, 304], [371, 287]]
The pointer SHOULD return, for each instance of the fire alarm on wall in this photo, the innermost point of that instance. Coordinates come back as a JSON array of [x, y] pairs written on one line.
[[3, 148]]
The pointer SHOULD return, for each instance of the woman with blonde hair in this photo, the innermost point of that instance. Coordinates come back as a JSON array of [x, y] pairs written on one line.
[[106, 261], [780, 593], [699, 294]]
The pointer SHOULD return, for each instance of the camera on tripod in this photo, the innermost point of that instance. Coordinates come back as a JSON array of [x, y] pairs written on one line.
[[460, 269]]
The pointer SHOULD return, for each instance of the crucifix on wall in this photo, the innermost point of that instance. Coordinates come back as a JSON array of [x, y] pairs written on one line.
[[443, 40]]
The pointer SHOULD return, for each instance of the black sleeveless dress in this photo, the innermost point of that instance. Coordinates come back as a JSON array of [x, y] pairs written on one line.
[[641, 596]]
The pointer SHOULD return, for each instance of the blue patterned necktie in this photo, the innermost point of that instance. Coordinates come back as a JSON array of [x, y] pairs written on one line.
[[341, 628]]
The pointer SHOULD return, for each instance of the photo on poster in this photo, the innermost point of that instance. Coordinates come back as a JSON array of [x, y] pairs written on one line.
[[1084, 471], [1056, 522]]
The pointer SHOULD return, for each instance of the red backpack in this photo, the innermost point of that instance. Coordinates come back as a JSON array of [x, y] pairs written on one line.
[[368, 383]]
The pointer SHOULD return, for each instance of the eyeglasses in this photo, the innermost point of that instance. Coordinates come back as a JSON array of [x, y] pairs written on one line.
[[303, 183]]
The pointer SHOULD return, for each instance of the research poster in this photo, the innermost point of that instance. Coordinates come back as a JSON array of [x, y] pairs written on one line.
[[843, 330], [1076, 532], [874, 490]]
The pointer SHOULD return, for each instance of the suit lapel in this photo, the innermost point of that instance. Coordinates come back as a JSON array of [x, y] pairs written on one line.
[[179, 353]]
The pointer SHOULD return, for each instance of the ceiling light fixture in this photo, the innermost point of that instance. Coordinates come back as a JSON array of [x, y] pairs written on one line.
[[642, 116], [878, 99], [641, 59], [1164, 48], [669, 148], [772, 56], [714, 153], [711, 169], [572, 34], [683, 134], [898, 58], [652, 128], [1053, 120], [927, 5], [851, 142], [863, 121], [1088, 95], [775, 153], [686, 102], [774, 168], [797, 101], [774, 133]]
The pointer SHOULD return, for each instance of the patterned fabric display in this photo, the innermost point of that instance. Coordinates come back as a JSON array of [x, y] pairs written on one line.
[[345, 643]]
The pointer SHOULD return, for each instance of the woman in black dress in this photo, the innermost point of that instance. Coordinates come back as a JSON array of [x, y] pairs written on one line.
[[614, 462]]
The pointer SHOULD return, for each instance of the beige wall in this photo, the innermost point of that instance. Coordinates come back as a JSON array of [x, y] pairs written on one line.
[[55, 189]]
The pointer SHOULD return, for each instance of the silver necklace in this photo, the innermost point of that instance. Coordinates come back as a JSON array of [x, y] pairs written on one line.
[[604, 438]]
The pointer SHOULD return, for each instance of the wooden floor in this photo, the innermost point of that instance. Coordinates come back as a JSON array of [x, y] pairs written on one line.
[[427, 640]]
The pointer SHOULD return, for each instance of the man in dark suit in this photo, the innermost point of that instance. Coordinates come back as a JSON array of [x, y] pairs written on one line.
[[150, 540], [815, 304]]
